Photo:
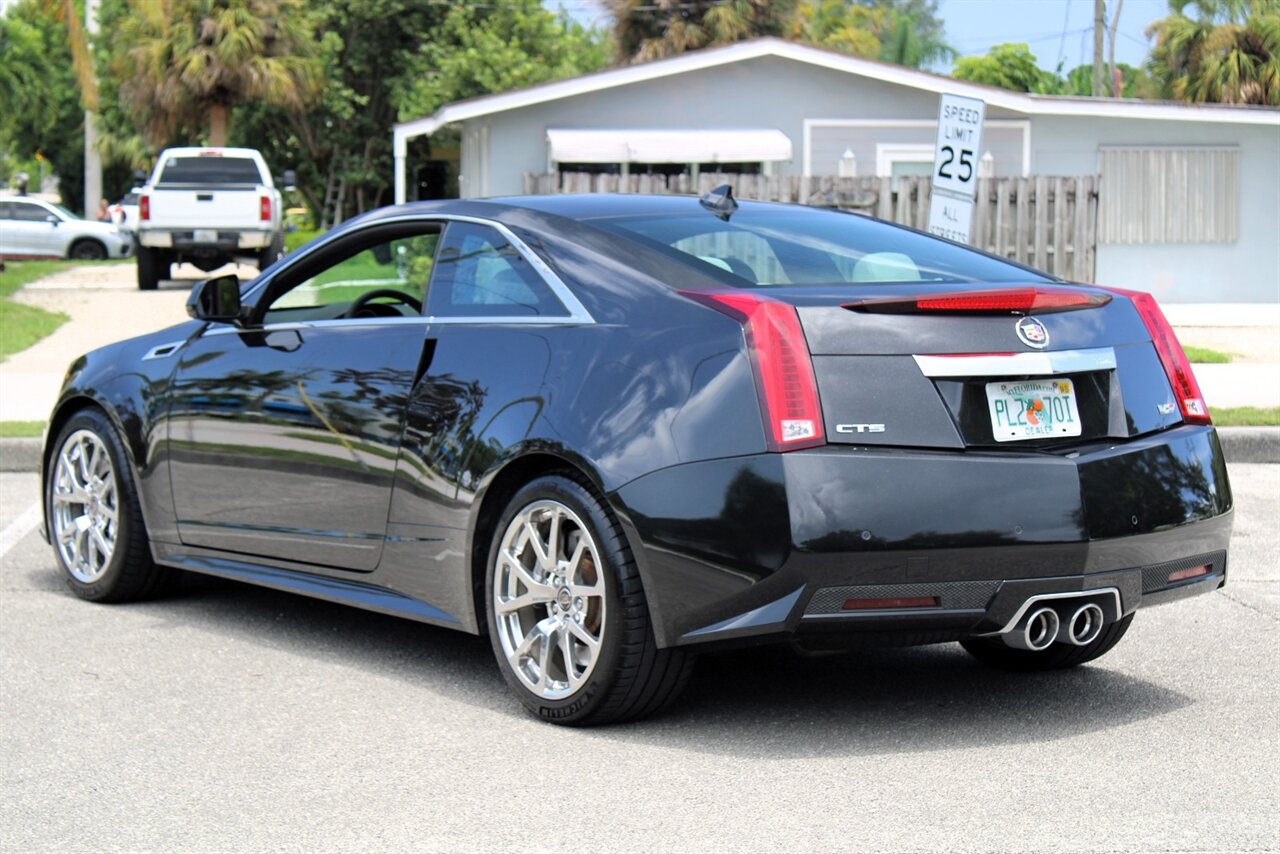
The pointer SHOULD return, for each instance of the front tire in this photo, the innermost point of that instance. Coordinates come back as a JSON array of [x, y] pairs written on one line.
[[88, 250], [1058, 656], [94, 517], [567, 615]]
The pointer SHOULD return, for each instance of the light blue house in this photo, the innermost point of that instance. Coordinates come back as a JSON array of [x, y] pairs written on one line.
[[1188, 195]]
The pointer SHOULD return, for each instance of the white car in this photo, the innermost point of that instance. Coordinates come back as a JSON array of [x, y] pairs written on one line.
[[124, 213], [34, 227]]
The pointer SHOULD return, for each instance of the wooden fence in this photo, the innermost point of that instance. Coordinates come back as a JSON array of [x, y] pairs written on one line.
[[1050, 223]]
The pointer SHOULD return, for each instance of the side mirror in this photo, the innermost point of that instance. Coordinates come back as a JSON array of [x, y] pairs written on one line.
[[215, 299], [53, 220], [139, 177], [290, 179]]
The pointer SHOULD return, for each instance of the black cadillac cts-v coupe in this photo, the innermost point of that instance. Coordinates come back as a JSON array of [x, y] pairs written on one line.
[[611, 432]]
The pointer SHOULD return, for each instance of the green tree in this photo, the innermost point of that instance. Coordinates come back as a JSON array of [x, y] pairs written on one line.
[[40, 96], [1134, 82], [1229, 52], [1009, 66], [478, 51], [909, 41], [840, 25], [651, 29], [183, 65]]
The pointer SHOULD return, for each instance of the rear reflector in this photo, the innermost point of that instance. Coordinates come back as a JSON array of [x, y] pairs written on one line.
[[780, 360], [264, 208], [1184, 574], [1040, 300], [883, 604], [144, 207], [1185, 388]]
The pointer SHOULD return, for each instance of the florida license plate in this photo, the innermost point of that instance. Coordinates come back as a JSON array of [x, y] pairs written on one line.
[[203, 235], [1033, 409]]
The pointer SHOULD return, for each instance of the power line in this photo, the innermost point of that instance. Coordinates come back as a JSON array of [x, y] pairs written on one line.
[[1062, 42]]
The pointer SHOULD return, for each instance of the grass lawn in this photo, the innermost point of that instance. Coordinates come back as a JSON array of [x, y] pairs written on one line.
[[1205, 356], [23, 325], [20, 429], [1246, 416]]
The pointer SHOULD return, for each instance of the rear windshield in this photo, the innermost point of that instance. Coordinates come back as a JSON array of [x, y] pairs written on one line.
[[799, 246], [210, 170]]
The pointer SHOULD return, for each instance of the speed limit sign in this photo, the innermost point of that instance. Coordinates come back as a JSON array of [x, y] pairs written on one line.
[[956, 154]]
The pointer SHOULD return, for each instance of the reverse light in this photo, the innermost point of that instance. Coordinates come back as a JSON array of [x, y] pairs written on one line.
[[1176, 366], [1038, 300], [264, 208], [781, 364], [144, 207]]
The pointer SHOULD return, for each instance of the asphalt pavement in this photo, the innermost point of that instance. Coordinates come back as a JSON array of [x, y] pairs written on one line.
[[231, 718]]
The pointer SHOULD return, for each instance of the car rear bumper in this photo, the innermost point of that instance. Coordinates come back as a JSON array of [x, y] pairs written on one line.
[[774, 545], [224, 242]]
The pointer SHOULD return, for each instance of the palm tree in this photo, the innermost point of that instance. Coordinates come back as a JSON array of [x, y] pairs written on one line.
[[187, 63], [903, 43], [1229, 53], [651, 29]]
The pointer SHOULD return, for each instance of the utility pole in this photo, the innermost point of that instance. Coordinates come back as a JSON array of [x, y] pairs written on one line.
[[92, 159], [1099, 26]]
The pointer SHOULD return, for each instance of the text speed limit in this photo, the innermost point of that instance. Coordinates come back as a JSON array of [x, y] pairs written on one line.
[[956, 157]]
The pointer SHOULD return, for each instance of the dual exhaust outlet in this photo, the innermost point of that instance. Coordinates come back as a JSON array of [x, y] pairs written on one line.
[[1042, 626]]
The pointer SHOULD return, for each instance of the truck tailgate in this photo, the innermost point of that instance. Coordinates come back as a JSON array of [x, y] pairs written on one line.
[[206, 208]]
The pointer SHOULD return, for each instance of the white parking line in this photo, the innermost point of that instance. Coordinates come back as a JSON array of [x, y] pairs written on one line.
[[19, 528]]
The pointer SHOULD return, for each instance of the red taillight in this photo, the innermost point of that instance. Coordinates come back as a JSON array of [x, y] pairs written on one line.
[[783, 370], [144, 207], [1184, 574], [884, 604], [1040, 300], [264, 208], [1185, 388]]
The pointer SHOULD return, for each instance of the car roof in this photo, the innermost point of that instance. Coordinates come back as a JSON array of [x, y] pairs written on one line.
[[585, 206]]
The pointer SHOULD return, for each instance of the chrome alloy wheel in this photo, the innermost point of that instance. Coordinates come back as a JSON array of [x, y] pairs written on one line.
[[549, 599], [85, 508]]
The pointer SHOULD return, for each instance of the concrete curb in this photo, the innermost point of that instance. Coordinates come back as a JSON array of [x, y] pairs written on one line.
[[19, 454], [1240, 444]]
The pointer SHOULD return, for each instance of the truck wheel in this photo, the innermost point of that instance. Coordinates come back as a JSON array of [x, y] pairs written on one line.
[[271, 254], [148, 268]]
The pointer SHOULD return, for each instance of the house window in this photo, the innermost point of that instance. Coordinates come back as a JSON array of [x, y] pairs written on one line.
[[1169, 195]]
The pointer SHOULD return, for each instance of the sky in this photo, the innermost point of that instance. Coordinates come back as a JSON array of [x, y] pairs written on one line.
[[1053, 29]]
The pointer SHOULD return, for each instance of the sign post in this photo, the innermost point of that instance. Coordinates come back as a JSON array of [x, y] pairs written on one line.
[[955, 167]]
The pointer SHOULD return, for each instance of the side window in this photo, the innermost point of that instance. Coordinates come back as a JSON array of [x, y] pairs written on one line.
[[28, 213], [479, 274], [365, 277], [6, 210]]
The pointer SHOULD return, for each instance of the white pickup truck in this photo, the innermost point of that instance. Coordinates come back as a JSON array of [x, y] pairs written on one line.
[[208, 206]]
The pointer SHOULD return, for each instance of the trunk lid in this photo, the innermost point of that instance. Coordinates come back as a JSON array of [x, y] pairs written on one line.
[[890, 373]]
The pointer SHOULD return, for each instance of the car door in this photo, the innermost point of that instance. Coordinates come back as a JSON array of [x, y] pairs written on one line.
[[27, 231], [284, 432]]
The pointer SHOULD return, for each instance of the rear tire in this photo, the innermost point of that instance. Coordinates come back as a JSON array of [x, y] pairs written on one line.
[[271, 254], [1059, 656], [149, 264], [547, 598], [94, 517], [87, 250]]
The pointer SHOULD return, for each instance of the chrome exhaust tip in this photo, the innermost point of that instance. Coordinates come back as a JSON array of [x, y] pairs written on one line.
[[1036, 633], [1085, 625]]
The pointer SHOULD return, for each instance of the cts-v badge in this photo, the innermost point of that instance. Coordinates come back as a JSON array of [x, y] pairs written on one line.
[[1032, 333], [859, 428]]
